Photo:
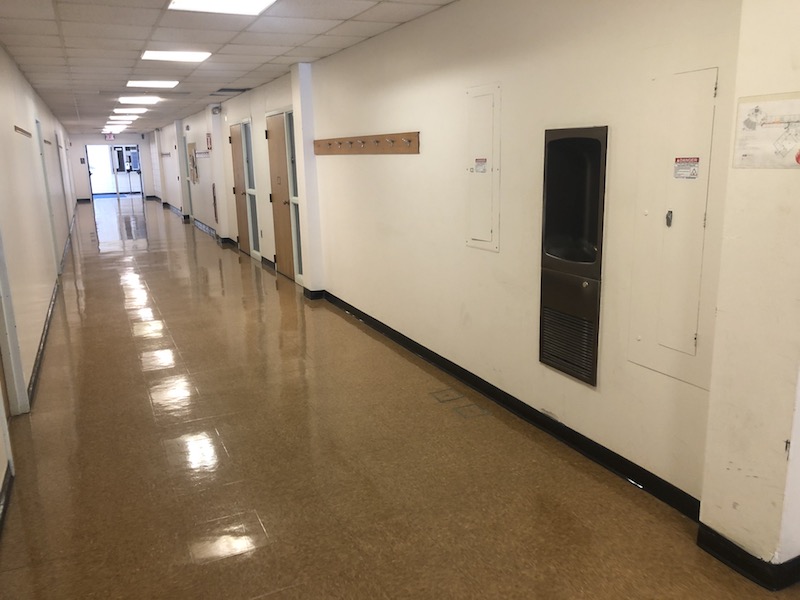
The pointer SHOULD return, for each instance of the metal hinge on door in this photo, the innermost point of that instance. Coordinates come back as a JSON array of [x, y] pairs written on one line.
[[230, 140], [234, 191], [705, 220], [716, 86], [266, 134], [270, 198], [695, 341]]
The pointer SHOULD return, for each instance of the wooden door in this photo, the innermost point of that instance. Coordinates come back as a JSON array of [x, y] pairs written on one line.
[[239, 188], [281, 207]]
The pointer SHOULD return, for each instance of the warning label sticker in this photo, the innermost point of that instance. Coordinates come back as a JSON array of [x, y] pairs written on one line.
[[686, 167]]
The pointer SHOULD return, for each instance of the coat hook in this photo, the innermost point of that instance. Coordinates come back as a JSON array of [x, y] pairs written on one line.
[[376, 142], [339, 144], [362, 143], [330, 145], [391, 141], [407, 141], [349, 144]]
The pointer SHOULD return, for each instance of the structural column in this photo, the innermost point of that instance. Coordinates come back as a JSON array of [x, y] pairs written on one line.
[[750, 505], [308, 190]]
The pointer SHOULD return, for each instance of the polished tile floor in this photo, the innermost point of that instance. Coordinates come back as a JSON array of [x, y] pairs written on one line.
[[200, 430]]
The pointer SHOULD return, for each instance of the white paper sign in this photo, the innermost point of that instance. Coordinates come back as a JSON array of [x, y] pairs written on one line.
[[768, 135]]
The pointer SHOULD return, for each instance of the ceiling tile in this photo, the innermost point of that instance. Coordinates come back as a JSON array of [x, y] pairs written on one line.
[[290, 60], [193, 46], [81, 77], [110, 71], [319, 9], [117, 63], [105, 15], [362, 28], [125, 32], [103, 43], [195, 36], [254, 49], [272, 39], [195, 20], [334, 41], [28, 27], [54, 61], [395, 12], [233, 59], [271, 68], [315, 52], [122, 3], [290, 25], [19, 52], [50, 41], [175, 71], [251, 81], [27, 9], [93, 53]]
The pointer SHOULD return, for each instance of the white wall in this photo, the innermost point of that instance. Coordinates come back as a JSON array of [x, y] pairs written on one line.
[[202, 200], [24, 212], [394, 226], [751, 491], [170, 165]]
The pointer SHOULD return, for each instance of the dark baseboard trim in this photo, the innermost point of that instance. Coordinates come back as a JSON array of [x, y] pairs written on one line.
[[152, 198], [83, 200], [37, 363], [205, 228], [5, 495], [638, 476], [186, 218], [771, 576], [265, 262], [166, 205], [227, 242]]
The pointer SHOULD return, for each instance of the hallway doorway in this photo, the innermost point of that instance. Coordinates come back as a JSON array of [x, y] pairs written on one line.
[[244, 189], [114, 171]]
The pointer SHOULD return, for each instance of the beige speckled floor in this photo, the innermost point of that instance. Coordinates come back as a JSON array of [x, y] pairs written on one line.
[[200, 430]]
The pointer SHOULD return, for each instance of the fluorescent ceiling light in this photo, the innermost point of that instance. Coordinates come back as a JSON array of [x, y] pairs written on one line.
[[139, 100], [153, 84], [175, 56], [227, 7], [130, 118], [118, 123], [130, 111]]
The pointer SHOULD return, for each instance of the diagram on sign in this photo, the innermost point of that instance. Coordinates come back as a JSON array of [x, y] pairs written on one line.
[[768, 135]]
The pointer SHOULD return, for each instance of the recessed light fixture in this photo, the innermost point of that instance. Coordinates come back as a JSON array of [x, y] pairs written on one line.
[[139, 100], [130, 111], [175, 56], [228, 7], [153, 84], [128, 118]]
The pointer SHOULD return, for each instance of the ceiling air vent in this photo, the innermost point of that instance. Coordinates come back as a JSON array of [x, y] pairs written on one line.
[[229, 91]]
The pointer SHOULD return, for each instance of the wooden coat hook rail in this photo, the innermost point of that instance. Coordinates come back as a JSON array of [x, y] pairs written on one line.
[[388, 143]]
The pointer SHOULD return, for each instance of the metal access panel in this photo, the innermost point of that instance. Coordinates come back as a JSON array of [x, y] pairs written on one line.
[[572, 236], [483, 167]]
